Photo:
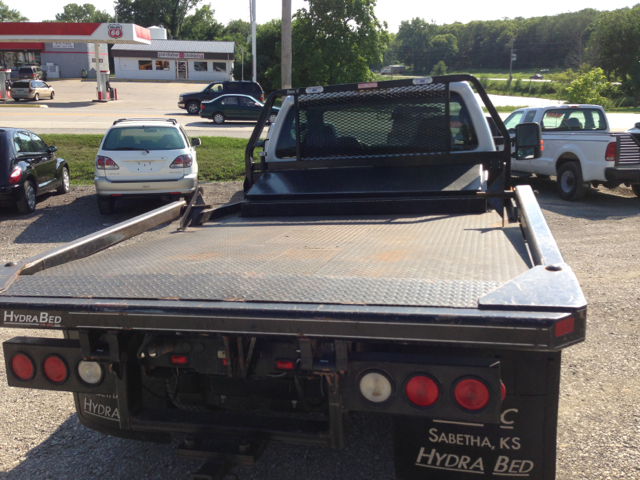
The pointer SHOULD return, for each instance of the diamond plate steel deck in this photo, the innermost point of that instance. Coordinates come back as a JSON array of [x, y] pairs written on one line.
[[447, 261]]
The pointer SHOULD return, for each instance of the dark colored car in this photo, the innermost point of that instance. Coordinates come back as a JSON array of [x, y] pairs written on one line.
[[28, 168], [235, 107], [191, 101], [32, 72], [537, 76]]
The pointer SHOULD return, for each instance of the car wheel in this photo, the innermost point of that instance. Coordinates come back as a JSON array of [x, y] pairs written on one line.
[[218, 118], [53, 94], [272, 118], [36, 97], [193, 108], [569, 183], [64, 181], [636, 189], [106, 205], [27, 198]]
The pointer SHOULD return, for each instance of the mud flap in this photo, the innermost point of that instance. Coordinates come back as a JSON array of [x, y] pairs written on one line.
[[100, 413], [523, 445]]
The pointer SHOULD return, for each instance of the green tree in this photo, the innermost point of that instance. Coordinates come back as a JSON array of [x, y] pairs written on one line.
[[617, 41], [414, 40], [8, 15], [335, 41], [86, 13], [588, 88], [201, 25], [170, 14], [439, 68]]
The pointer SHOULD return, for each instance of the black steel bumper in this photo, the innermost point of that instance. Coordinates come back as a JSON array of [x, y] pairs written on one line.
[[631, 175]]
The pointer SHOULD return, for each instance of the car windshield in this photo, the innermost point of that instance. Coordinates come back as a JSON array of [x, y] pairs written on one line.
[[143, 138]]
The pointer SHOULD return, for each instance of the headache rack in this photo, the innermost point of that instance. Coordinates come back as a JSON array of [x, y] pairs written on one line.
[[417, 133], [418, 110]]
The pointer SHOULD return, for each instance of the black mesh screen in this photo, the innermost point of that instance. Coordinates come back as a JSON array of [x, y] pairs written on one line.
[[405, 120], [373, 123]]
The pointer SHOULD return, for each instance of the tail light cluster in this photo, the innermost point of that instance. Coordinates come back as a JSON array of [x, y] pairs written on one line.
[[610, 154], [438, 387], [54, 369], [15, 175], [105, 163], [423, 390], [183, 161]]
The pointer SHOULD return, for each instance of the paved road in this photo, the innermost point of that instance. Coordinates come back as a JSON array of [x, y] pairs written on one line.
[[73, 109], [599, 417]]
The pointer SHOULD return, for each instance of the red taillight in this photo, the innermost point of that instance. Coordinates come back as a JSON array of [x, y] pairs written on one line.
[[285, 365], [503, 391], [22, 367], [542, 145], [178, 359], [262, 97], [202, 106], [422, 391], [15, 175], [610, 154], [565, 326], [105, 163], [55, 369], [471, 394], [183, 161]]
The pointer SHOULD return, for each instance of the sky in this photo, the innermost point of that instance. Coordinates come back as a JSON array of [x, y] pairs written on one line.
[[391, 11]]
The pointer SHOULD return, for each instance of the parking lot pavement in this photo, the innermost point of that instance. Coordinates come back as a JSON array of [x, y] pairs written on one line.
[[599, 415], [73, 109]]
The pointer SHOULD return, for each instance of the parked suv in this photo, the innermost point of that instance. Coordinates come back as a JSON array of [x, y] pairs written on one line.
[[28, 168], [142, 157], [32, 72], [191, 101]]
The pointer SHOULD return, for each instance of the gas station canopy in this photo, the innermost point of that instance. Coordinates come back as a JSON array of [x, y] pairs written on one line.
[[74, 32], [95, 33]]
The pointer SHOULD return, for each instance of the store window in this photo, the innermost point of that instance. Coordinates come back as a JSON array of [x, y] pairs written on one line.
[[162, 65], [145, 65], [219, 67], [200, 66]]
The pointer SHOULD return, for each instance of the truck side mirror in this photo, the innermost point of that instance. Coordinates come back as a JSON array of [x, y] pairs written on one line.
[[196, 142], [528, 141]]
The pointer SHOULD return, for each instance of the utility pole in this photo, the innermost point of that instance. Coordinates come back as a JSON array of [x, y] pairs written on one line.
[[285, 55], [512, 58], [242, 62], [253, 40]]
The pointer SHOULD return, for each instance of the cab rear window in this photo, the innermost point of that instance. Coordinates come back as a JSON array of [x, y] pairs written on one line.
[[573, 119], [143, 138], [20, 85]]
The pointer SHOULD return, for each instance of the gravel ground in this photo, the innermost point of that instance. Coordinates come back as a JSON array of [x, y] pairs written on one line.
[[599, 421]]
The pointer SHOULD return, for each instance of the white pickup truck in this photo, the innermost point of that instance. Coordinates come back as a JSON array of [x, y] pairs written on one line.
[[579, 149]]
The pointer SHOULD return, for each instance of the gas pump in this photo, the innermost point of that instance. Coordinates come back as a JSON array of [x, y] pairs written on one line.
[[5, 89], [103, 90]]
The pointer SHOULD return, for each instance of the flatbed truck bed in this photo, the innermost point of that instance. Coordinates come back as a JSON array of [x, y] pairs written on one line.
[[352, 277]]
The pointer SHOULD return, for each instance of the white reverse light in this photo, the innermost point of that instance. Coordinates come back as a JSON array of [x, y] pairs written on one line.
[[90, 372], [376, 387]]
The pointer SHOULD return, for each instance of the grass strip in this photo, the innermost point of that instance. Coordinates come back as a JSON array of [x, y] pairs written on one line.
[[220, 159]]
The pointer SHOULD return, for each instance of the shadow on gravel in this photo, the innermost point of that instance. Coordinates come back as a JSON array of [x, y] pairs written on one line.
[[70, 221], [74, 451], [598, 203]]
